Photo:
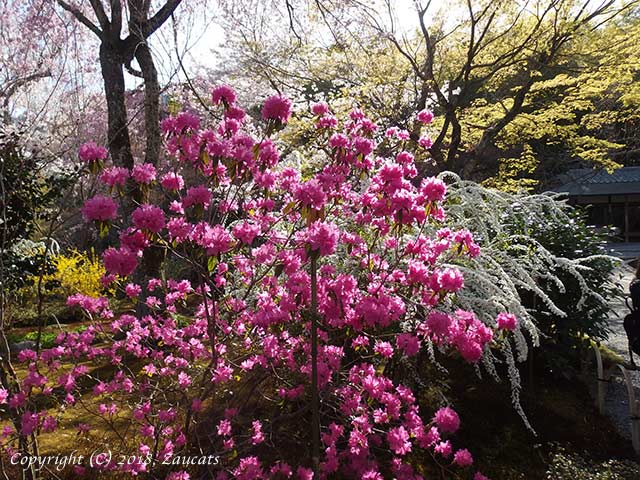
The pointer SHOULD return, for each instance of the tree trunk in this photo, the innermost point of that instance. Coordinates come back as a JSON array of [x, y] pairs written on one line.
[[153, 257], [151, 103], [456, 139], [118, 132]]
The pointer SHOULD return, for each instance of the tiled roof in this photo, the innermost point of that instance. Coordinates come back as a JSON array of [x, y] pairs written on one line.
[[585, 181]]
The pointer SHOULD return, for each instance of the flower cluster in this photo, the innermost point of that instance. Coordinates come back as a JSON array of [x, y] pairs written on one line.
[[90, 152], [100, 208], [277, 108]]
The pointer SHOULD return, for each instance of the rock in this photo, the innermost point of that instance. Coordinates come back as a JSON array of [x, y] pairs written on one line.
[[21, 346]]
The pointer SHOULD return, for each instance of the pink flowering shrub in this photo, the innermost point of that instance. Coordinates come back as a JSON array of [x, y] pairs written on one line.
[[337, 269]]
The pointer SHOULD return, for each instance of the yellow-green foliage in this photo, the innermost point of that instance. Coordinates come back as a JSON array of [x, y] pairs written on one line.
[[512, 173], [581, 107], [76, 272]]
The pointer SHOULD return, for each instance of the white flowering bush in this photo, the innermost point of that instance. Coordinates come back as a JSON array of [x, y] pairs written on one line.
[[539, 260]]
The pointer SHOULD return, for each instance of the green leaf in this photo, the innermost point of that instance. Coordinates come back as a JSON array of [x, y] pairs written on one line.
[[212, 263]]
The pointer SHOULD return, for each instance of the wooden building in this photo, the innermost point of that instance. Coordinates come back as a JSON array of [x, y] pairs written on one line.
[[610, 198]]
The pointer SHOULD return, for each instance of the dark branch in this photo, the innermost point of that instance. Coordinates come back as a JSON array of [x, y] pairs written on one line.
[[133, 71], [161, 16], [81, 18], [116, 18], [8, 91], [103, 20]]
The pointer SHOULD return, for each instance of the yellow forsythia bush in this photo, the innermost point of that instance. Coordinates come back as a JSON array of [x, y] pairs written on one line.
[[77, 272]]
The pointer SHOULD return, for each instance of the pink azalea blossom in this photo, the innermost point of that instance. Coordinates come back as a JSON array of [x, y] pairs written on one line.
[[29, 423], [433, 189], [425, 116], [90, 304], [408, 343], [372, 475], [200, 195], [339, 140], [49, 424], [310, 194], [384, 349], [463, 458], [303, 473], [425, 142], [450, 279], [179, 476], [214, 239], [438, 323], [398, 439], [246, 232], [258, 436], [148, 217], [269, 154], [120, 261], [133, 240], [235, 113], [444, 448], [363, 146], [99, 208], [144, 173], [224, 94], [90, 152], [187, 121], [114, 176], [172, 181], [224, 428], [427, 438], [506, 321], [277, 108], [179, 229], [323, 237], [447, 420], [470, 348], [320, 108], [133, 290], [327, 122]]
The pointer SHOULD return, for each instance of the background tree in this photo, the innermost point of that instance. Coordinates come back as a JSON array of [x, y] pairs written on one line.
[[26, 59], [108, 23], [491, 70]]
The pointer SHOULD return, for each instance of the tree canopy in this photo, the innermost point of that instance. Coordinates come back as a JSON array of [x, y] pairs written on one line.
[[522, 90]]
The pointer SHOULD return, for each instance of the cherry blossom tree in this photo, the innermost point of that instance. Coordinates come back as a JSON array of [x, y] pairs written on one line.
[[32, 42]]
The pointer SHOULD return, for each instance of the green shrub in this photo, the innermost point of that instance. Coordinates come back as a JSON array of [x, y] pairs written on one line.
[[47, 340]]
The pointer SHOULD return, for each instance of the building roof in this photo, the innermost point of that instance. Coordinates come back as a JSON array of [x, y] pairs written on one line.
[[587, 181]]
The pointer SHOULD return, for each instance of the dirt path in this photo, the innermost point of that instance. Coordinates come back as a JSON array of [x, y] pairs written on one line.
[[616, 399]]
